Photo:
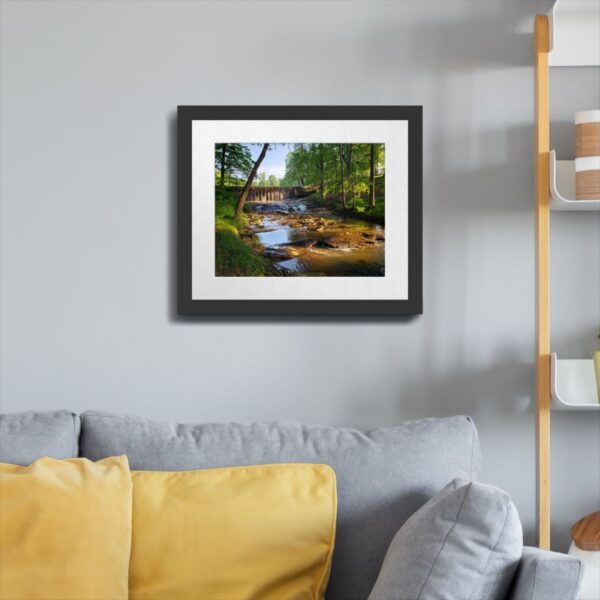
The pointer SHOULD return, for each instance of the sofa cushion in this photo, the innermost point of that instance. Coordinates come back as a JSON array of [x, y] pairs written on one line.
[[546, 575], [65, 530], [465, 543], [383, 476], [264, 532], [27, 436]]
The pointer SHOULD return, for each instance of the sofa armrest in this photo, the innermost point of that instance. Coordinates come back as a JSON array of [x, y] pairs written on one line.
[[544, 575]]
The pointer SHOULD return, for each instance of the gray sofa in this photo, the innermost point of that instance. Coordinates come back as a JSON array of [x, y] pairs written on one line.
[[383, 476]]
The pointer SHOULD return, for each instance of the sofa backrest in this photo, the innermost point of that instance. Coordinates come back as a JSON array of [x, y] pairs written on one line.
[[383, 476], [27, 436]]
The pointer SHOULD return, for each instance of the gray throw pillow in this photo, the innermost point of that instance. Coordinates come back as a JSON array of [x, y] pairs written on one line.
[[464, 544], [27, 436]]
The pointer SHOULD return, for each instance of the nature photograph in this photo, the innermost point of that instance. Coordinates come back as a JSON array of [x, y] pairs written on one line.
[[288, 210]]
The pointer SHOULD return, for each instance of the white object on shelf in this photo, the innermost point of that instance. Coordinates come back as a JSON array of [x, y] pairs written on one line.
[[590, 583], [562, 187], [573, 384], [574, 33], [587, 116], [587, 163]]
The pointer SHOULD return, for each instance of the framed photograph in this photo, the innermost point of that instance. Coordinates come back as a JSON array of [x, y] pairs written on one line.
[[300, 210]]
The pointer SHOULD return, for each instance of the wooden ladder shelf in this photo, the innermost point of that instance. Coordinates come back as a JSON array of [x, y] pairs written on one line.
[[567, 36]]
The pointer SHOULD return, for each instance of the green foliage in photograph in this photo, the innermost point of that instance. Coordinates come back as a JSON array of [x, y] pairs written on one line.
[[233, 163], [349, 173], [233, 256]]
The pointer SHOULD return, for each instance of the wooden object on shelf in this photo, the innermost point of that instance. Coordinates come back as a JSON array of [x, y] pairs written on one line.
[[587, 154], [587, 182], [587, 139], [542, 212], [586, 532], [587, 133]]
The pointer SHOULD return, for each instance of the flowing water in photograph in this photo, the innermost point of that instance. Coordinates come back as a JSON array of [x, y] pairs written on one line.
[[302, 238]]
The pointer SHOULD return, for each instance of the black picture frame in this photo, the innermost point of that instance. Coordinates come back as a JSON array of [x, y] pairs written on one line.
[[412, 305]]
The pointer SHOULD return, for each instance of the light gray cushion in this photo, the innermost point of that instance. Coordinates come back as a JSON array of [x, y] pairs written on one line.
[[545, 575], [27, 436], [464, 544], [383, 476]]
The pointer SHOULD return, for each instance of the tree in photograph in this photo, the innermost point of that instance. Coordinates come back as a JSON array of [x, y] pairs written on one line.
[[350, 172], [240, 205], [321, 170], [273, 181], [341, 150], [232, 161], [297, 166], [372, 177], [223, 157], [346, 158]]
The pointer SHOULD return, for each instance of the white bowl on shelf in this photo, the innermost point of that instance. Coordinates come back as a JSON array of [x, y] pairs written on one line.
[[562, 187], [573, 384]]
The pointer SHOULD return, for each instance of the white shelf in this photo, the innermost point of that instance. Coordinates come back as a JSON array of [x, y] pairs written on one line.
[[574, 33], [573, 384], [562, 187]]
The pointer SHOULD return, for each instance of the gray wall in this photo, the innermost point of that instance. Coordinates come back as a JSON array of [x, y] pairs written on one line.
[[89, 91]]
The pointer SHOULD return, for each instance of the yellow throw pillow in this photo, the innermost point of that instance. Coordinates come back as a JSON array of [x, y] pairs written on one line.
[[65, 529], [240, 533]]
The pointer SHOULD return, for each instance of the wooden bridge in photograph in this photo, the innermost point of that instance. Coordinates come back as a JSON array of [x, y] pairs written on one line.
[[273, 193]]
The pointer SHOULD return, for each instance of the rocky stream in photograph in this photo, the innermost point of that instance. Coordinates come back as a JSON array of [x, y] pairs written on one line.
[[300, 237]]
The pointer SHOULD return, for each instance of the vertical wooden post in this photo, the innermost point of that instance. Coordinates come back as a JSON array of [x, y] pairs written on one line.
[[542, 243]]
